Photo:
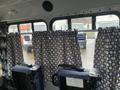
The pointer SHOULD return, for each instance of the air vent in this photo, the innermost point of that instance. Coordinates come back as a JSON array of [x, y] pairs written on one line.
[[47, 6]]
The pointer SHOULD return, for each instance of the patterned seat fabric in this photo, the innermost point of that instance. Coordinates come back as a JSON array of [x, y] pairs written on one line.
[[54, 48], [14, 53], [107, 58]]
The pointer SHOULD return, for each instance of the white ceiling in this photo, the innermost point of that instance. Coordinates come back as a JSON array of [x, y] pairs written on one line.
[[32, 9], [6, 3]]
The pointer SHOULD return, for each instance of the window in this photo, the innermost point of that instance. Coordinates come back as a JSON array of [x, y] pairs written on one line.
[[25, 28], [87, 36], [13, 29], [40, 26], [26, 40], [82, 23], [86, 39], [60, 25], [87, 47], [107, 21]]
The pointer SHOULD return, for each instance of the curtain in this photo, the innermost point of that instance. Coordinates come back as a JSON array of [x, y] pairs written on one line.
[[107, 58], [14, 53], [54, 48]]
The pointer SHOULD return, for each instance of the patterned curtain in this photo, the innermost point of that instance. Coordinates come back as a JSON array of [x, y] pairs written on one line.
[[54, 48], [14, 52], [107, 58]]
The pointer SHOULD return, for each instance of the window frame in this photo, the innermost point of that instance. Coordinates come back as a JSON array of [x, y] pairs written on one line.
[[29, 21], [93, 15]]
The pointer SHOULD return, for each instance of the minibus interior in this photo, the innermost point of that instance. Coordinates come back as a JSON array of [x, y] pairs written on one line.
[[59, 44]]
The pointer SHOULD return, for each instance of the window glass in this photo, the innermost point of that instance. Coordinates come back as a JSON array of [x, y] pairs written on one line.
[[25, 28], [13, 29], [82, 23], [86, 42], [60, 25], [40, 26], [107, 21], [1, 70], [26, 40]]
